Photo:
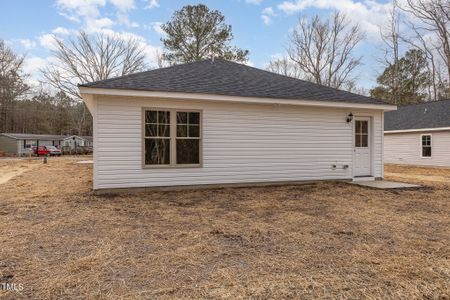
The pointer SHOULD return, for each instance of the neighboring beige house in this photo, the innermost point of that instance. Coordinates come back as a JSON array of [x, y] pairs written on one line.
[[219, 122], [418, 134]]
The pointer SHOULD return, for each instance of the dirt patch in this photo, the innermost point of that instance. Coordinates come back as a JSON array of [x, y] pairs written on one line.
[[12, 168], [327, 240]]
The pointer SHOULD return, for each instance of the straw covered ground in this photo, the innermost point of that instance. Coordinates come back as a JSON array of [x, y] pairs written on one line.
[[325, 240]]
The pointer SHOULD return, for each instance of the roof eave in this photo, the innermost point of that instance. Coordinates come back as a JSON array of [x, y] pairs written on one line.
[[417, 130], [85, 91]]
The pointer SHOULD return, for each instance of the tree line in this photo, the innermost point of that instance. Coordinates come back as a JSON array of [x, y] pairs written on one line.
[[321, 50]]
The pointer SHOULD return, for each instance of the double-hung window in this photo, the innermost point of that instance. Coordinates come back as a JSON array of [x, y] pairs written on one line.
[[426, 145], [172, 138]]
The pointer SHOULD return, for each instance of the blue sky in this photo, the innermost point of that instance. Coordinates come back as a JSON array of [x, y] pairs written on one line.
[[261, 26]]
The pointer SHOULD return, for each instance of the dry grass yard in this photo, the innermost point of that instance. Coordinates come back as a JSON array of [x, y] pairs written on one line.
[[326, 240]]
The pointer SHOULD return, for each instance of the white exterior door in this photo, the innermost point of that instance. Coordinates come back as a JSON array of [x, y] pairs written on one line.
[[362, 156]]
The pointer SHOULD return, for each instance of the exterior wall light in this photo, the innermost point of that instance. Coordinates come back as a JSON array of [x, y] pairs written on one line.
[[349, 117]]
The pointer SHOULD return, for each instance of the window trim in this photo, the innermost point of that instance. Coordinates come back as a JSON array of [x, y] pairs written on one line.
[[421, 145], [361, 134], [172, 138]]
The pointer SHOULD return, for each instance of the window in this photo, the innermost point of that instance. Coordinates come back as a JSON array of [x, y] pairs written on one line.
[[362, 133], [426, 145], [157, 137], [188, 138], [28, 144], [172, 138]]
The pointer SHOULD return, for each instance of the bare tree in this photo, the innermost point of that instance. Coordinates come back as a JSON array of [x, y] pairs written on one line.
[[284, 66], [92, 58], [161, 60], [418, 41], [323, 50], [432, 17], [12, 84], [390, 35]]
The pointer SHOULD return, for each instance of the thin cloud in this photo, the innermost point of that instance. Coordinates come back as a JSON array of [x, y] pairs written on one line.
[[27, 43], [61, 31], [255, 2], [370, 15], [152, 4]]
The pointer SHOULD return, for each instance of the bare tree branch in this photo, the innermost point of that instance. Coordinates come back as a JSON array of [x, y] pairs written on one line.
[[92, 58], [323, 49]]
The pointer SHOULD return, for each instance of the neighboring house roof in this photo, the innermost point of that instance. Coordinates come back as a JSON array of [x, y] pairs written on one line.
[[44, 137], [433, 114], [27, 136], [222, 77]]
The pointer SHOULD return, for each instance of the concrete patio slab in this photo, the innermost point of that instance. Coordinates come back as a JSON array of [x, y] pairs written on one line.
[[383, 184]]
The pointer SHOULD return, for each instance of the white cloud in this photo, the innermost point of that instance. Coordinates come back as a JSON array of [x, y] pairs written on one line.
[[268, 11], [150, 50], [82, 8], [33, 66], [96, 25], [266, 19], [47, 41], [152, 4], [27, 43], [267, 14], [255, 2], [156, 26], [124, 19], [61, 31], [89, 12], [123, 5], [369, 14]]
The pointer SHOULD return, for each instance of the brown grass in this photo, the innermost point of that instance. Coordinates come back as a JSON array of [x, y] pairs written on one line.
[[327, 240]]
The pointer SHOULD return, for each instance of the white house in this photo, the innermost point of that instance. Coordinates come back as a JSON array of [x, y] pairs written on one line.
[[219, 122], [418, 134], [74, 141]]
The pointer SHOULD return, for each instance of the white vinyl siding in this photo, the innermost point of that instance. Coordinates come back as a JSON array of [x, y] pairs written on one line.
[[406, 148], [242, 143]]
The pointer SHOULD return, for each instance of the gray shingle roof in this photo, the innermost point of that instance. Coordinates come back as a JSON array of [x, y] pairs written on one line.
[[432, 114], [43, 137], [223, 77]]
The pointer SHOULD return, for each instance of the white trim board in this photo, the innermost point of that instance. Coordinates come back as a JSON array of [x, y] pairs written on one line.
[[417, 130], [87, 91]]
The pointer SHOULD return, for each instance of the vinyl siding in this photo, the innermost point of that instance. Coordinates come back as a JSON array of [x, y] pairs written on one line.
[[8, 145], [242, 143], [405, 148]]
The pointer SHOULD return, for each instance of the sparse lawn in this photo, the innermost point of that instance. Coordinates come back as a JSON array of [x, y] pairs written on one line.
[[327, 240]]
